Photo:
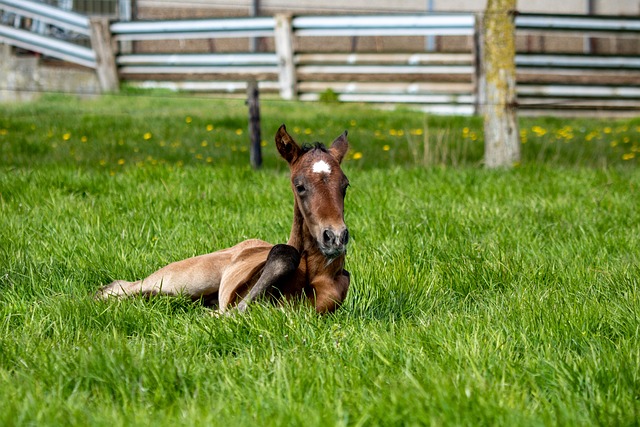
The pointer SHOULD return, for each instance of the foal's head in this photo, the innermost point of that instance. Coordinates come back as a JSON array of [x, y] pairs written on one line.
[[319, 187]]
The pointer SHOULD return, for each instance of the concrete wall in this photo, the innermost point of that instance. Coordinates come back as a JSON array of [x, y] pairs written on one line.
[[25, 77]]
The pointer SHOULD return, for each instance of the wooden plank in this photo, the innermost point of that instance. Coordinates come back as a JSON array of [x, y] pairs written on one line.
[[225, 86], [586, 77], [575, 91], [383, 58], [199, 59], [398, 98], [387, 87], [572, 103], [198, 77], [382, 78], [205, 69], [284, 49]]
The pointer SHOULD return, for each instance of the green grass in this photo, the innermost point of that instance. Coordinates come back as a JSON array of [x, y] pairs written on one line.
[[478, 297]]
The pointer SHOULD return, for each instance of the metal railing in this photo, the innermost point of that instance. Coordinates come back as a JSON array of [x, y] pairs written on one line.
[[65, 22], [438, 82]]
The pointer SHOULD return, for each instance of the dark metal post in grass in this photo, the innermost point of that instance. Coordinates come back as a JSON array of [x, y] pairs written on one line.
[[498, 76], [253, 102]]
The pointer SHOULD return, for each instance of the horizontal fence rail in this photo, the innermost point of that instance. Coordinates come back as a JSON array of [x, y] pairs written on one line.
[[48, 14], [389, 25], [582, 24], [441, 82], [47, 44], [193, 29]]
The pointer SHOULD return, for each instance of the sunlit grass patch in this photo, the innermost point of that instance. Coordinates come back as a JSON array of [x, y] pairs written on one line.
[[478, 297]]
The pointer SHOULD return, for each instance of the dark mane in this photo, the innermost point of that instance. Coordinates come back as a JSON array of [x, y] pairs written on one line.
[[308, 146]]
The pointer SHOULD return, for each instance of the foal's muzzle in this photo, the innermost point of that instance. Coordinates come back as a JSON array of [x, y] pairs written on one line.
[[334, 241]]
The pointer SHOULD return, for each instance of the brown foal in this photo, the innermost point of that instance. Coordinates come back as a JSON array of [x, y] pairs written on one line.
[[311, 264]]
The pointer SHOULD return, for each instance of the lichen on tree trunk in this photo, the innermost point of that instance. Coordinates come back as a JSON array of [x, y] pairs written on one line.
[[501, 135]]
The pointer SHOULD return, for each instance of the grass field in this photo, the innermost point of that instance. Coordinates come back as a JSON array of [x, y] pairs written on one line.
[[477, 297]]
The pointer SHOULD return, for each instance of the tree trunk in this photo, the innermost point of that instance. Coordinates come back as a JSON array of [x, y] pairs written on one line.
[[501, 135]]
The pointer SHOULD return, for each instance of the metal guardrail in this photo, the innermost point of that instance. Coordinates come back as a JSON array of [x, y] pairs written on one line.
[[582, 24], [48, 46], [48, 14], [44, 44], [193, 29], [389, 25]]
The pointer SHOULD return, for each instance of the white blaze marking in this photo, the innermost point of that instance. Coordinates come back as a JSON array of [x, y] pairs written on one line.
[[321, 167]]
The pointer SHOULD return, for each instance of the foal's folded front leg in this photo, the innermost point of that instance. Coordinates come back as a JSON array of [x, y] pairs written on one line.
[[281, 264]]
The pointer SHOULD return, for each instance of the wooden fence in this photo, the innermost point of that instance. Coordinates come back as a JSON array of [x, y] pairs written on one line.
[[439, 82]]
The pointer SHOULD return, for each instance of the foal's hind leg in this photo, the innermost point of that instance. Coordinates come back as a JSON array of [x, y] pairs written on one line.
[[282, 262], [119, 288]]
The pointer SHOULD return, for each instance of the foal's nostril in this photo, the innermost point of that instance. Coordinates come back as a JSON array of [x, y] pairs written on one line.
[[344, 237], [327, 237]]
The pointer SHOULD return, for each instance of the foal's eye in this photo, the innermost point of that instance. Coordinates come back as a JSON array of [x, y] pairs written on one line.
[[300, 188]]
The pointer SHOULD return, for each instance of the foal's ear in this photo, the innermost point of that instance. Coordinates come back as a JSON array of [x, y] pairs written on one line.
[[339, 147], [287, 147]]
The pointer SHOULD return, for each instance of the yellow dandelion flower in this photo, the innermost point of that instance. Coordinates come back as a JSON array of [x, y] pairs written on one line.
[[3, 131], [188, 120], [263, 143], [209, 128], [120, 162], [378, 133], [614, 143], [386, 148], [199, 156], [538, 130], [147, 136], [417, 132], [400, 132], [357, 155], [204, 143], [352, 122], [179, 163], [307, 131], [628, 156], [162, 143], [607, 130], [626, 140], [209, 159], [102, 162], [66, 136], [239, 132], [84, 139], [393, 132]]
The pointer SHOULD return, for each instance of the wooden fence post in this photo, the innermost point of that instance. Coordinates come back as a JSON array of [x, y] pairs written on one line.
[[101, 43], [478, 59], [284, 50], [501, 135]]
